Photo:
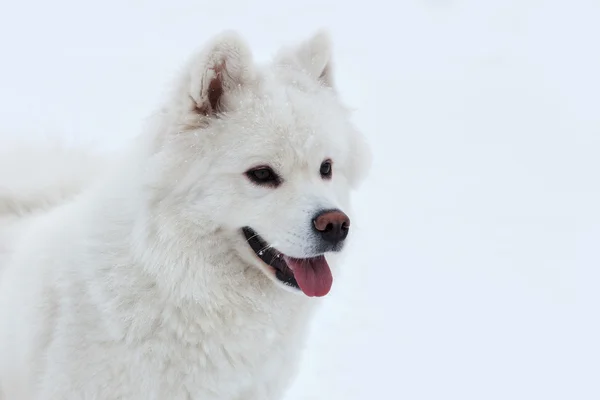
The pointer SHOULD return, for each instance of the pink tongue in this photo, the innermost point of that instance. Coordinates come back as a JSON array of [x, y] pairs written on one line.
[[312, 274]]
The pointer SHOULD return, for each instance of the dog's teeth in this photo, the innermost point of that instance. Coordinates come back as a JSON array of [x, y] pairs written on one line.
[[260, 253]]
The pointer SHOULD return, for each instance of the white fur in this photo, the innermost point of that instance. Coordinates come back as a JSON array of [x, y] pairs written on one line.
[[130, 279]]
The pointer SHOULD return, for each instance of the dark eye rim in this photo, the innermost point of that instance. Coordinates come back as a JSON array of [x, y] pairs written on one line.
[[273, 180], [330, 172]]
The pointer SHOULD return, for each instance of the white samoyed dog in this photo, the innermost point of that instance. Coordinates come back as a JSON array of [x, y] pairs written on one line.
[[187, 267]]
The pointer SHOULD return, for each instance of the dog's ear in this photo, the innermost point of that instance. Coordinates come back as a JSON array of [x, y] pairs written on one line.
[[313, 56], [224, 66]]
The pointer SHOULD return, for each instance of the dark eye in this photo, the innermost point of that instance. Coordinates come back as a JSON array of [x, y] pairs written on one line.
[[264, 176], [326, 169]]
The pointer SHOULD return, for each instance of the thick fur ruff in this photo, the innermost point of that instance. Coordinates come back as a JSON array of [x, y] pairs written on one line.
[[129, 278]]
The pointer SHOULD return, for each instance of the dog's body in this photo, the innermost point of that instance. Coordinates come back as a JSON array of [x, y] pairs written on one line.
[[132, 278]]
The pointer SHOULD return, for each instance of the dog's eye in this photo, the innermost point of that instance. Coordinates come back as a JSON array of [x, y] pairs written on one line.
[[326, 169], [264, 176]]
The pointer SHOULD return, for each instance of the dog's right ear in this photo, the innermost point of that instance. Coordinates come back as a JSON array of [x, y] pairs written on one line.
[[224, 66]]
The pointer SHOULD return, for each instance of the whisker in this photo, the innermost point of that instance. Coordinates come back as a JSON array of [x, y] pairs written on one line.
[[252, 237], [264, 249], [273, 259]]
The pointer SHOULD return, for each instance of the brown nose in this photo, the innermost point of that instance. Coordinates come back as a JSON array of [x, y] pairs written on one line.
[[332, 226]]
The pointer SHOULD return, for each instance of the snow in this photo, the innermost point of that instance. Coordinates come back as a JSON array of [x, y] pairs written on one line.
[[475, 265]]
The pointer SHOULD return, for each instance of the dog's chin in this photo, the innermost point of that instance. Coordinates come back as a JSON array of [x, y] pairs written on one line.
[[310, 276]]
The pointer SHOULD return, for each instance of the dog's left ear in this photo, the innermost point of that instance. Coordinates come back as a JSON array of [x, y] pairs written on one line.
[[313, 56], [224, 66]]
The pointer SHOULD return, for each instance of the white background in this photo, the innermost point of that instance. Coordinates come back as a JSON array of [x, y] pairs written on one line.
[[474, 270]]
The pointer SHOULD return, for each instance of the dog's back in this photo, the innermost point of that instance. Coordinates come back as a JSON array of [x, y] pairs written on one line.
[[39, 178], [34, 180]]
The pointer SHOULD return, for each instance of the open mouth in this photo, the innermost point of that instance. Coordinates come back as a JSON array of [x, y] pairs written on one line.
[[311, 275]]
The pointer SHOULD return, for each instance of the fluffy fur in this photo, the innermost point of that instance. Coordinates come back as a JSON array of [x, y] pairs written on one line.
[[129, 278]]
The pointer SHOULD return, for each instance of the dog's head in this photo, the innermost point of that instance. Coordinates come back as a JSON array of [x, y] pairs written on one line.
[[264, 157]]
